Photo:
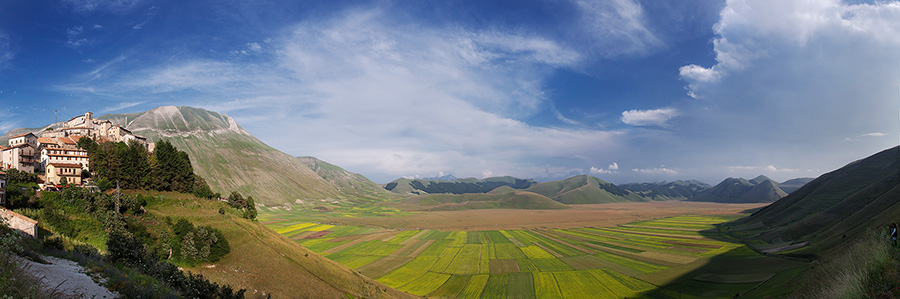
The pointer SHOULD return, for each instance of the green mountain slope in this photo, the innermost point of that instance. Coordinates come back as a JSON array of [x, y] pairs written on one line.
[[677, 190], [262, 260], [347, 182], [457, 186], [738, 190], [228, 157], [836, 206], [584, 189]]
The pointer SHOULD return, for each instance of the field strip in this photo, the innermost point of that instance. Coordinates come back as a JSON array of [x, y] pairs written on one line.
[[687, 249], [635, 256], [406, 247], [662, 227], [613, 230], [582, 249], [554, 253], [598, 232], [294, 227], [371, 237], [422, 248], [675, 258], [383, 266], [711, 246]]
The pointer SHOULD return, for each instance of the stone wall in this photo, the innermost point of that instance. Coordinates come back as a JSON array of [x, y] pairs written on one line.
[[19, 222]]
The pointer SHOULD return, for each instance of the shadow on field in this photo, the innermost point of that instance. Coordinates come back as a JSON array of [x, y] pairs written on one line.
[[739, 272]]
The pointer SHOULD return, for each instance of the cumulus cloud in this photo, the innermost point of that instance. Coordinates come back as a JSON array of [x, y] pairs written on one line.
[[794, 76], [655, 117], [609, 169]]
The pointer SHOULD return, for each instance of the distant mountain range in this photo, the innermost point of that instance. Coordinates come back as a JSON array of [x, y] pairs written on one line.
[[583, 189], [739, 190], [680, 190], [231, 159], [456, 186]]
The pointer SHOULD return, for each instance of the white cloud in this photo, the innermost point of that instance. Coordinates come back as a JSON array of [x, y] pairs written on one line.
[[611, 169], [785, 73], [75, 40], [867, 135], [383, 99], [655, 117], [616, 27], [659, 170]]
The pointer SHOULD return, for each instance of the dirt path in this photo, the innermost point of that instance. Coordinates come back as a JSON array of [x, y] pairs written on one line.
[[67, 278]]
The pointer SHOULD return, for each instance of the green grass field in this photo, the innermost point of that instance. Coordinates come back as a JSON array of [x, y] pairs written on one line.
[[668, 257]]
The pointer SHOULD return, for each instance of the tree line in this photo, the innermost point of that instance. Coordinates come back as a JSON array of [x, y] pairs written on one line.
[[133, 167]]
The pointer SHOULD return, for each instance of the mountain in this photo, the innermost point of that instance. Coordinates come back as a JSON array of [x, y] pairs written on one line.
[[794, 184], [448, 177], [504, 197], [348, 182], [457, 186], [739, 190], [678, 190], [843, 203], [584, 189], [228, 157]]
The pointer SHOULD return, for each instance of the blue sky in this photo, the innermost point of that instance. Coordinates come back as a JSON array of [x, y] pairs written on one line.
[[626, 90]]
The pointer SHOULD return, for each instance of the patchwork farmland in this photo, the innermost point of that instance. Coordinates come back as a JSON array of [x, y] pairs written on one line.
[[680, 256]]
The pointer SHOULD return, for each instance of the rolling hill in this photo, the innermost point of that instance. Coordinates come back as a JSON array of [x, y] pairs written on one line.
[[739, 190], [262, 260], [838, 205], [348, 182], [677, 190], [457, 186], [501, 198], [584, 189]]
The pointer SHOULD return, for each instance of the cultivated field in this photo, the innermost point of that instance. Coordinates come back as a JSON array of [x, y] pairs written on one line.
[[597, 215], [675, 256]]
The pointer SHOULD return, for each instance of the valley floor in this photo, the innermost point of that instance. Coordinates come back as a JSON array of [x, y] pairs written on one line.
[[658, 249], [599, 215]]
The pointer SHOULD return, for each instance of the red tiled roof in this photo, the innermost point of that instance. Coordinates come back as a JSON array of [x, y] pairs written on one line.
[[46, 140], [26, 134], [65, 165], [18, 146], [66, 140]]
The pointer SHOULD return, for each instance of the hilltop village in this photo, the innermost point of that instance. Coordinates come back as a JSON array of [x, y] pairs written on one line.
[[55, 155]]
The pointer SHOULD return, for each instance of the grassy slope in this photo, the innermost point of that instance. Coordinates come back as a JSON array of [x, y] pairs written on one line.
[[261, 260], [584, 189], [348, 182], [228, 157], [836, 207]]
